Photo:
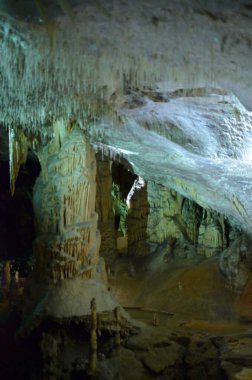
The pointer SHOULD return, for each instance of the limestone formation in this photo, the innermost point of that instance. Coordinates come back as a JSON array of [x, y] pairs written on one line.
[[67, 243], [164, 209], [106, 222], [165, 86], [67, 271], [212, 237], [205, 231], [137, 218], [191, 216], [236, 262], [18, 149]]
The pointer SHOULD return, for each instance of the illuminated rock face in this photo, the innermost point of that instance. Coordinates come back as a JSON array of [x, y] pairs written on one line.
[[165, 206], [212, 234], [159, 216], [68, 240], [199, 146]]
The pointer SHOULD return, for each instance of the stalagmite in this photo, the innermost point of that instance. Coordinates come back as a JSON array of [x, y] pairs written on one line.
[[66, 191], [68, 270]]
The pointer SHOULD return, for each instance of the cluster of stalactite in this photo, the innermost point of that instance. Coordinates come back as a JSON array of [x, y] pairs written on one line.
[[114, 57], [68, 241]]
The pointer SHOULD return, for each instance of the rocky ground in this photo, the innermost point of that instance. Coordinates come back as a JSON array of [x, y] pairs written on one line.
[[196, 327], [193, 326]]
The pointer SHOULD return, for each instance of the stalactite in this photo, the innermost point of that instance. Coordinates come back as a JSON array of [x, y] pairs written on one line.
[[18, 149]]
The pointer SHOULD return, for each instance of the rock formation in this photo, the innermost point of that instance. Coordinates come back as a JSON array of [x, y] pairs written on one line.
[[106, 222], [18, 149], [137, 219], [164, 210], [164, 86], [236, 262], [160, 217], [68, 272], [212, 234], [68, 241]]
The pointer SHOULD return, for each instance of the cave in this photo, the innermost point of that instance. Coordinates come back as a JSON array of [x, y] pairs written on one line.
[[125, 190]]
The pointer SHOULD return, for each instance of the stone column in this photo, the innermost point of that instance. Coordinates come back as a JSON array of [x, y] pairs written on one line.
[[104, 209], [68, 241], [68, 272], [137, 219]]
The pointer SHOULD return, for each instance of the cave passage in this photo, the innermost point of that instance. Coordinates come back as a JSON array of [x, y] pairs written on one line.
[[17, 230]]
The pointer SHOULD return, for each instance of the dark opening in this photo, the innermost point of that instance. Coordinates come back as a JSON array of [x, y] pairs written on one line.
[[17, 217]]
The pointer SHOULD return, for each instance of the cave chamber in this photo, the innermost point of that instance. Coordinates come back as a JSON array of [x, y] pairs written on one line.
[[125, 192]]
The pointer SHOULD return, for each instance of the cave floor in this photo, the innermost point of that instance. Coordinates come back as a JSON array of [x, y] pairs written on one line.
[[196, 326], [189, 289], [193, 325]]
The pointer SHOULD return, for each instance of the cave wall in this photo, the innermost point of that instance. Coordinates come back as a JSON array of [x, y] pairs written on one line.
[[164, 210], [212, 234], [172, 216], [161, 219]]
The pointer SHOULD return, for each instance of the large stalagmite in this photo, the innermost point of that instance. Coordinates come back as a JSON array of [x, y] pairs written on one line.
[[64, 202], [68, 272]]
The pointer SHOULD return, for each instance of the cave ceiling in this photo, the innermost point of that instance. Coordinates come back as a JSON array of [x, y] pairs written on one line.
[[164, 84]]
